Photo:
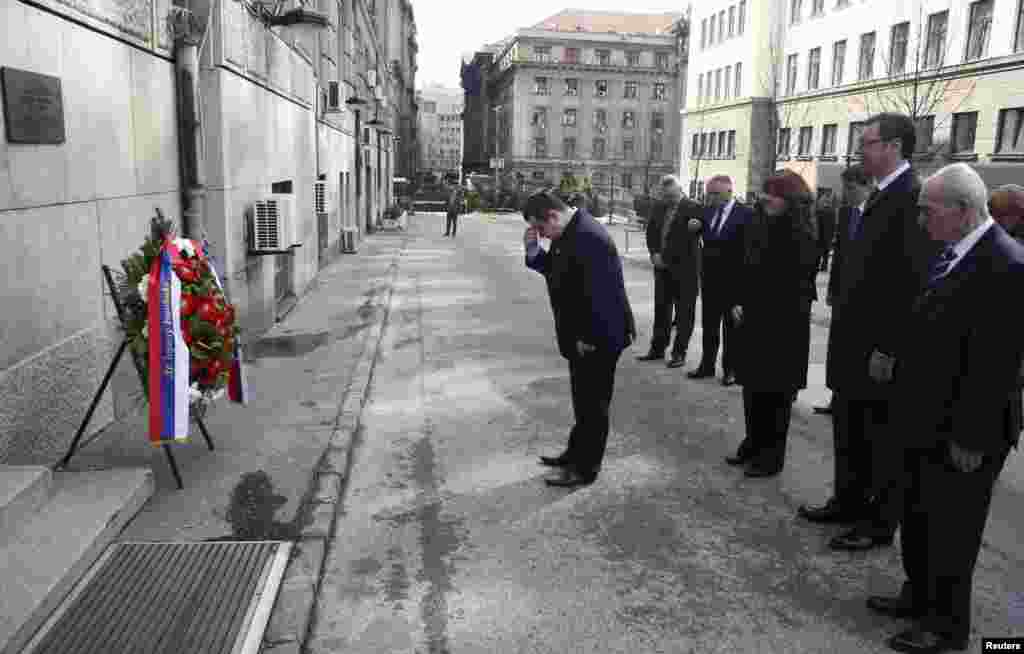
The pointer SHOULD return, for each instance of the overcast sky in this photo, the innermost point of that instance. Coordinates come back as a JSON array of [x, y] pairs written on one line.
[[446, 29]]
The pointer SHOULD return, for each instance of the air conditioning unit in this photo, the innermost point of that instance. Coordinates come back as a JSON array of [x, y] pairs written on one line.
[[348, 240], [267, 233], [371, 77], [289, 220], [333, 104], [378, 92], [320, 197]]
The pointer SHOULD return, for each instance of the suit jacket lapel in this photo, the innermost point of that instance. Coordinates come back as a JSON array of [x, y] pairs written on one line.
[[897, 183]]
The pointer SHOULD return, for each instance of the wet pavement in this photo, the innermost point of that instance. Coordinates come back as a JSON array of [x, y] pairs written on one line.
[[450, 542]]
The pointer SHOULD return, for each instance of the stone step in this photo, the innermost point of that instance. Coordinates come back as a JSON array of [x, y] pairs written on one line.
[[46, 555], [23, 490]]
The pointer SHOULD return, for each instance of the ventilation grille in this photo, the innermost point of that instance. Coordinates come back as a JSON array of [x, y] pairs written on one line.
[[267, 229], [320, 197]]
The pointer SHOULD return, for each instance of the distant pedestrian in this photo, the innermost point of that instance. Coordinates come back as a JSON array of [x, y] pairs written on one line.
[[773, 315], [673, 240], [455, 207], [825, 215], [956, 380], [1006, 204], [593, 322]]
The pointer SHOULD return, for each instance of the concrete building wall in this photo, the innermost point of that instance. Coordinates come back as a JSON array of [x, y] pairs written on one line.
[[66, 209]]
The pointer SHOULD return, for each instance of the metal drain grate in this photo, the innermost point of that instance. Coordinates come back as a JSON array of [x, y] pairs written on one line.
[[202, 598]]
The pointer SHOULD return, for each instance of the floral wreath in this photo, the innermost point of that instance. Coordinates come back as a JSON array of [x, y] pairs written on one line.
[[209, 324]]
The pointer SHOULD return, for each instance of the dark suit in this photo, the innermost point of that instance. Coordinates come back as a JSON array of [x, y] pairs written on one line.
[[675, 285], [881, 271], [826, 233], [840, 238], [957, 380], [588, 298], [721, 265]]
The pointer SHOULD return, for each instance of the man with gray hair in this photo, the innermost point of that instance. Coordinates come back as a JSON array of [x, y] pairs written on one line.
[[956, 381], [673, 240]]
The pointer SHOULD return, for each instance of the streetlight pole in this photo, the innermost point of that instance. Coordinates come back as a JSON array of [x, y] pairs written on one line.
[[497, 140]]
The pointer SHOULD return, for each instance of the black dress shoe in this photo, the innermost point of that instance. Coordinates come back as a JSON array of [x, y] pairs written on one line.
[[570, 477], [857, 540], [897, 606], [555, 461], [761, 470], [739, 459], [728, 379], [651, 356], [677, 361], [829, 513], [700, 373], [919, 641]]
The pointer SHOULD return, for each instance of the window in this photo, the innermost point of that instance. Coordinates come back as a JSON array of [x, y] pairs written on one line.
[[709, 89], [703, 144], [965, 127], [791, 67], [732, 21], [727, 86], [925, 129], [853, 146], [978, 29], [721, 145], [739, 70], [795, 7], [703, 33], [659, 91], [661, 60], [572, 86], [783, 146], [540, 85], [828, 140], [817, 7], [842, 3], [540, 147], [542, 52], [741, 17], [572, 56], [731, 149], [632, 58], [898, 48], [601, 120], [569, 118], [628, 148], [604, 57], [696, 146], [539, 117], [627, 180], [1010, 138], [712, 138], [599, 148], [711, 31], [601, 88], [813, 69], [838, 57], [628, 120], [721, 26], [657, 120], [718, 85], [629, 90], [865, 65], [804, 145], [569, 148], [935, 45], [1018, 43], [700, 88]]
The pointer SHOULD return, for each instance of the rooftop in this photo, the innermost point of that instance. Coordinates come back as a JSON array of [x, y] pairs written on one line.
[[590, 20]]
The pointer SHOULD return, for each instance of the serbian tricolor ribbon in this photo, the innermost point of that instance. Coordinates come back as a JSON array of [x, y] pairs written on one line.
[[168, 355], [238, 383]]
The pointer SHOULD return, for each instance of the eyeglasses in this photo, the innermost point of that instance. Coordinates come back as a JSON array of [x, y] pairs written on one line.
[[866, 142]]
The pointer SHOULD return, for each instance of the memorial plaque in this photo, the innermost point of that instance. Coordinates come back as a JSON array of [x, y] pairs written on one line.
[[33, 107]]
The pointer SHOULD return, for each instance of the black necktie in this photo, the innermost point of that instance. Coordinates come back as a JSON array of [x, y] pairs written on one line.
[[941, 264], [855, 217]]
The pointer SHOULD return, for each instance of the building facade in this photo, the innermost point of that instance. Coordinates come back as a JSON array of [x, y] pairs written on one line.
[[440, 129], [589, 96], [267, 124], [812, 77]]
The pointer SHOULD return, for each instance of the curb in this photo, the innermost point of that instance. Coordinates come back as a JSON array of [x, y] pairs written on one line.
[[294, 609]]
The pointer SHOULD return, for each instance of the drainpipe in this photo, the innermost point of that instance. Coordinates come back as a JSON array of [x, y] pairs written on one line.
[[186, 64]]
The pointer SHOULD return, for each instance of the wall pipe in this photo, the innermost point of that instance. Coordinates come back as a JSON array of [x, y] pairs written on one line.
[[193, 189]]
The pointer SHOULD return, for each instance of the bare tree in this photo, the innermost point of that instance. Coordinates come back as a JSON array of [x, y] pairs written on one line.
[[784, 111], [917, 80]]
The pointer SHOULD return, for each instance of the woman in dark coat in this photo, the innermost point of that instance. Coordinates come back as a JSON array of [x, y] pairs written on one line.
[[775, 289]]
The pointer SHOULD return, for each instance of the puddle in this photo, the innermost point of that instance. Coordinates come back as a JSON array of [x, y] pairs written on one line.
[[291, 345], [251, 508]]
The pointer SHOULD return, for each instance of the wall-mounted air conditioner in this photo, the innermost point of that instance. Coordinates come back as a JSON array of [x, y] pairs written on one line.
[[371, 77], [267, 230], [289, 219], [333, 104], [378, 92], [320, 204]]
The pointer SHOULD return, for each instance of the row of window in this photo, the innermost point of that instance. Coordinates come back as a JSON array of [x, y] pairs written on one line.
[[598, 179], [450, 118], [539, 118], [599, 148], [630, 89], [710, 87], [602, 57], [713, 30], [715, 145]]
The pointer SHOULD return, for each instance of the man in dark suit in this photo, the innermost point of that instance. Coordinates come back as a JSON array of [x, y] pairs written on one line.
[[721, 262], [825, 213], [956, 380], [593, 322], [884, 261], [456, 206], [673, 240]]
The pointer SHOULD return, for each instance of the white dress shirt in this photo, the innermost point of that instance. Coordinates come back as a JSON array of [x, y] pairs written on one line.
[[964, 245], [726, 210], [891, 177]]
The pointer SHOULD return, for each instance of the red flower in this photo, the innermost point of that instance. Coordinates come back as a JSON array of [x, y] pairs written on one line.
[[188, 304], [207, 310], [187, 272]]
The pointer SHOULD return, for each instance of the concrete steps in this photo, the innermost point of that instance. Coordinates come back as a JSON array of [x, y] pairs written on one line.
[[55, 526]]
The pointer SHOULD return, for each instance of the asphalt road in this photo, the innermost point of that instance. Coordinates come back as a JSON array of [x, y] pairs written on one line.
[[450, 541]]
